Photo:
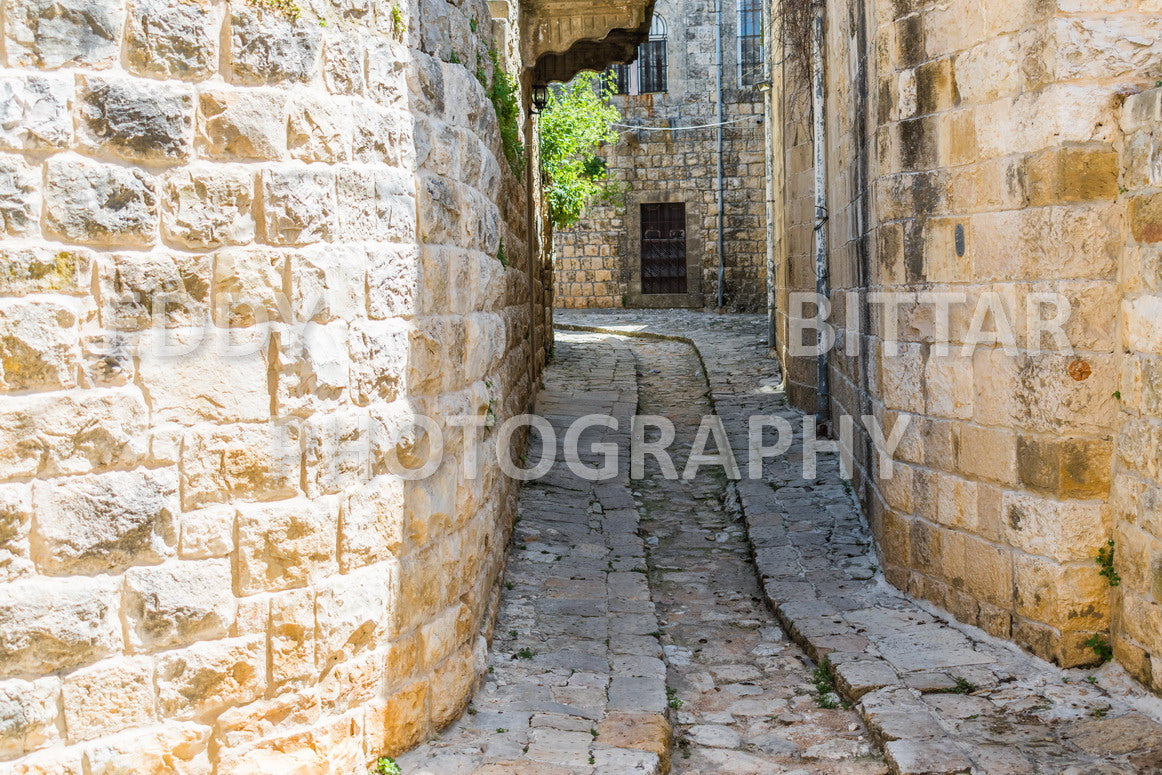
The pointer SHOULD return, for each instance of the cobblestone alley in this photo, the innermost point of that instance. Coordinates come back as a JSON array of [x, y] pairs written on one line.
[[707, 626]]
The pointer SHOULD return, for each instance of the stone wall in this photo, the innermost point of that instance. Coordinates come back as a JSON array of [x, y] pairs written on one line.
[[1137, 471], [995, 167], [597, 262], [239, 253]]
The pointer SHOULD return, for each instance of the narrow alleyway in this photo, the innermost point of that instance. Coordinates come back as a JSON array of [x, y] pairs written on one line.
[[633, 608]]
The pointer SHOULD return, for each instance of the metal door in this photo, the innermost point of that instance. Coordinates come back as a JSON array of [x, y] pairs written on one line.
[[664, 248]]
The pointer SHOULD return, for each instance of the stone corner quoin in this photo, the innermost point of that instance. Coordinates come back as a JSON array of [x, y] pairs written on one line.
[[240, 244]]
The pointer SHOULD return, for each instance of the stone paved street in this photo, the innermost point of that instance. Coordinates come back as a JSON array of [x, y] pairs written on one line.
[[633, 607]]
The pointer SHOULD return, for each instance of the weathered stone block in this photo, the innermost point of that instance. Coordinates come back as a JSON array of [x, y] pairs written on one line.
[[45, 270], [135, 119], [45, 435], [28, 715], [38, 345], [15, 520], [59, 33], [178, 748], [205, 678], [1062, 530], [206, 207], [108, 697], [1146, 217], [371, 523], [298, 205], [352, 610], [452, 684], [203, 374], [311, 373], [1068, 468], [139, 291], [177, 603], [99, 204], [376, 205], [379, 360], [267, 47], [337, 450], [1071, 174], [54, 624], [238, 728], [387, 70], [165, 39], [34, 111], [401, 722], [987, 453], [244, 461], [293, 636], [242, 124], [336, 745], [207, 532], [329, 283], [105, 523], [393, 281], [319, 128], [285, 545], [1067, 597], [19, 199], [249, 289], [382, 135]]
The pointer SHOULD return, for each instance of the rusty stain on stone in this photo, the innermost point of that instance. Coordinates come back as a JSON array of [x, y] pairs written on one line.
[[1080, 370]]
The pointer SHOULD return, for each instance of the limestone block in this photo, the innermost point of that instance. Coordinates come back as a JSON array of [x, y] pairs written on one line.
[[170, 749], [311, 373], [204, 374], [205, 678], [249, 288], [177, 603], [135, 119], [387, 66], [165, 39], [286, 544], [34, 111], [163, 289], [19, 200], [1106, 47], [244, 461], [440, 205], [267, 47], [382, 135], [436, 355], [1061, 530], [319, 128], [1142, 323], [106, 360], [438, 147], [430, 504], [15, 519], [238, 728], [108, 697], [99, 204], [376, 205], [352, 610], [298, 205], [986, 453], [58, 33], [51, 624], [371, 523], [206, 207], [292, 636], [329, 283], [335, 746], [452, 684], [485, 344], [337, 451], [350, 684], [1068, 597], [1146, 217], [106, 522], [28, 715], [948, 385], [379, 360], [71, 433], [206, 533], [26, 270], [393, 281], [55, 760], [343, 63], [38, 345], [242, 123], [399, 723]]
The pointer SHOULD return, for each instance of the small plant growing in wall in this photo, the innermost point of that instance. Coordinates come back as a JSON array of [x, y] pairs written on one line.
[[287, 8], [386, 765], [1105, 561], [502, 91], [575, 124], [399, 25], [501, 256], [1101, 647]]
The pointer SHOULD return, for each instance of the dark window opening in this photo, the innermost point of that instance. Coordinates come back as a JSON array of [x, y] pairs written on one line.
[[664, 247], [750, 41], [651, 60], [619, 79]]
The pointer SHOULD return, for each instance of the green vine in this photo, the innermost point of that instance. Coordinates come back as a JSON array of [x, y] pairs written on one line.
[[1105, 559], [575, 124], [502, 91]]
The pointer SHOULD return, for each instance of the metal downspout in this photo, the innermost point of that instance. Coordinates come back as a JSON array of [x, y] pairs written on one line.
[[819, 139], [721, 167]]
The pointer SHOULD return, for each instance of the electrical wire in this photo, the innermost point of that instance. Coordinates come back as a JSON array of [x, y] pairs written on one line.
[[631, 127]]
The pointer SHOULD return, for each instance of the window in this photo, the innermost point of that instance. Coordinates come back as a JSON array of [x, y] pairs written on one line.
[[620, 78], [664, 247], [750, 42], [651, 59]]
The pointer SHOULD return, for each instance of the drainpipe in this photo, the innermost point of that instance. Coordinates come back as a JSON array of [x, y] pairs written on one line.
[[819, 139], [772, 140], [721, 168]]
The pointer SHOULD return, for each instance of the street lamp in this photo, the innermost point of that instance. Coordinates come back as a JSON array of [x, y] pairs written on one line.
[[540, 97]]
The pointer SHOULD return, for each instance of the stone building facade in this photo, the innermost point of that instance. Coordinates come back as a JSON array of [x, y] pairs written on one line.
[[599, 262], [1002, 152], [243, 245]]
